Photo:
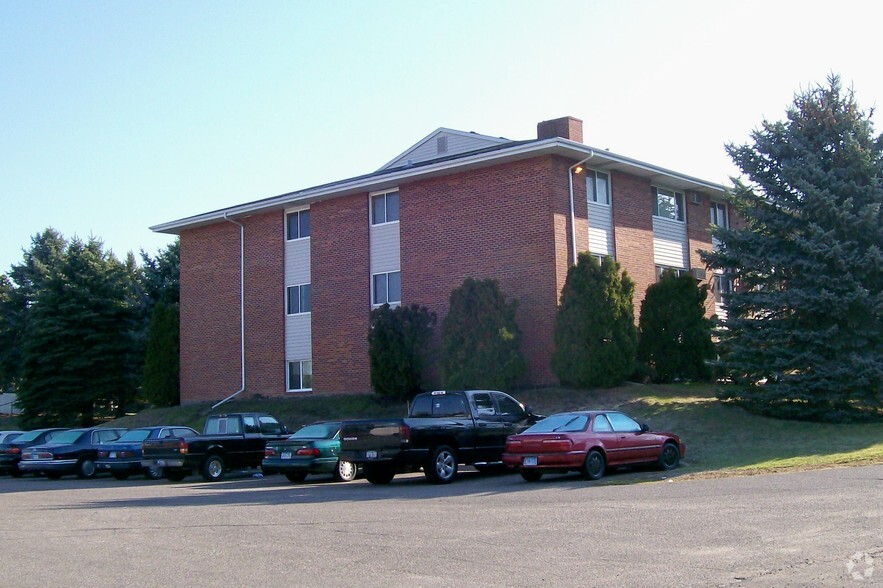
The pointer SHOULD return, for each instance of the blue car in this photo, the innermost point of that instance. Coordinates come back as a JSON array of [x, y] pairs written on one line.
[[69, 452], [122, 458]]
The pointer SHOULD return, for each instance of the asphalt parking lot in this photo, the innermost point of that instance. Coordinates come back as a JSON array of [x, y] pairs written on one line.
[[769, 530]]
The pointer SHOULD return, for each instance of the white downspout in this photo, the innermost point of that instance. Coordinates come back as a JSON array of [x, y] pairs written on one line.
[[241, 309], [572, 213]]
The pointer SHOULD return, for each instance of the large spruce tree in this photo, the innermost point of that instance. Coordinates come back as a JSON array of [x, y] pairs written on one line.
[[595, 335], [804, 332]]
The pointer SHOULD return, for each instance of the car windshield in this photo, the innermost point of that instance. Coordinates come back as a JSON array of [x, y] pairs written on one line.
[[322, 431], [133, 436], [560, 423], [67, 437]]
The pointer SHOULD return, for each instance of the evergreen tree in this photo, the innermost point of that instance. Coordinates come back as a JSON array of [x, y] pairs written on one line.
[[804, 330], [397, 345], [674, 338], [481, 341], [78, 342], [595, 336], [161, 275], [18, 292], [162, 361]]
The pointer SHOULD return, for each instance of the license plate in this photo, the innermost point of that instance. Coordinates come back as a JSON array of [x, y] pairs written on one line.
[[370, 455], [113, 455], [160, 462], [529, 461], [286, 455]]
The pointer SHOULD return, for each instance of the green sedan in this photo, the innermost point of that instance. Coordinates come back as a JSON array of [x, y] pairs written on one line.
[[313, 449]]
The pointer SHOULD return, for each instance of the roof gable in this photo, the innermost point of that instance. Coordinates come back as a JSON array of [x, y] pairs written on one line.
[[443, 143]]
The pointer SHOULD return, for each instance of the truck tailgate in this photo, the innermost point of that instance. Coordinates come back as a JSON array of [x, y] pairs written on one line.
[[154, 448], [360, 440]]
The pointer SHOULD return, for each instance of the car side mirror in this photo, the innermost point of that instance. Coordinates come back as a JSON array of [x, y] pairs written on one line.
[[645, 427]]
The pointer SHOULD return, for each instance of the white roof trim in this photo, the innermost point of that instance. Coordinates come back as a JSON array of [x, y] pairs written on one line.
[[436, 133], [554, 146]]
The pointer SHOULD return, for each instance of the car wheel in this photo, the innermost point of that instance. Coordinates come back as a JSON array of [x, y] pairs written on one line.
[[442, 466], [53, 475], [345, 471], [175, 475], [379, 474], [531, 475], [153, 473], [670, 457], [594, 466], [120, 475], [296, 477], [213, 468], [86, 468]]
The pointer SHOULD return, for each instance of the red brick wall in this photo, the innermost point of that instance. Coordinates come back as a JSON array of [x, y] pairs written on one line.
[[210, 313], [210, 341], [264, 304], [341, 295], [632, 204], [505, 222], [698, 238]]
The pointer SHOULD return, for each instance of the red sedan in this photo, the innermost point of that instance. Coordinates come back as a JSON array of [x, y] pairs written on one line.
[[589, 442]]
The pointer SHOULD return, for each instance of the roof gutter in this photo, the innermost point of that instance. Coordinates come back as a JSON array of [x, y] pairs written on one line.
[[241, 310], [572, 213]]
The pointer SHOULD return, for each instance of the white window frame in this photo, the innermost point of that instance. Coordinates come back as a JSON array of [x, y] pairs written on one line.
[[679, 271], [385, 194], [299, 299], [723, 284], [592, 176], [680, 210], [716, 208], [301, 363], [298, 212], [374, 301]]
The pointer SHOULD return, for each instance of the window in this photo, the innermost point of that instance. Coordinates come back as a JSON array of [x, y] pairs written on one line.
[[719, 214], [386, 288], [300, 375], [483, 404], [269, 426], [722, 285], [622, 423], [449, 406], [598, 187], [601, 424], [249, 424], [508, 406], [678, 271], [668, 204], [298, 299], [385, 208], [297, 225]]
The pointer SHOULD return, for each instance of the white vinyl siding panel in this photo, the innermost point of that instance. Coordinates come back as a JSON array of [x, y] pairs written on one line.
[[670, 243], [428, 149], [298, 330], [600, 229], [298, 336], [385, 248]]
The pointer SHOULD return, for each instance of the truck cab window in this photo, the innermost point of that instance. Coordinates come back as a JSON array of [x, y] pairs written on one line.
[[483, 404]]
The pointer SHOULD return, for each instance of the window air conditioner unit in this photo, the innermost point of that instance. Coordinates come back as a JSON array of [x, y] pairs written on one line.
[[698, 273]]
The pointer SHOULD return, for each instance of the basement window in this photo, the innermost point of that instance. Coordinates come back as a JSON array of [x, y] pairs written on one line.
[[386, 288], [300, 375]]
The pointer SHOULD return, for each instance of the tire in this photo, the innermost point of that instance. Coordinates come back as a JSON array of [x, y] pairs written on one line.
[[153, 473], [670, 457], [296, 477], [175, 475], [213, 468], [442, 466], [86, 468], [379, 474], [594, 466], [345, 471], [531, 475], [53, 475], [120, 475]]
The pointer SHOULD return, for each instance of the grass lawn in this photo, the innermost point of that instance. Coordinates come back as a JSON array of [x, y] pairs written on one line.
[[720, 439]]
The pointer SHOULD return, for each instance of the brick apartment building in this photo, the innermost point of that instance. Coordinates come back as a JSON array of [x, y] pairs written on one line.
[[276, 294]]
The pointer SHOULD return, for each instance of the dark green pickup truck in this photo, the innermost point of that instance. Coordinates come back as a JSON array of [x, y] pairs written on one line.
[[228, 442], [442, 430]]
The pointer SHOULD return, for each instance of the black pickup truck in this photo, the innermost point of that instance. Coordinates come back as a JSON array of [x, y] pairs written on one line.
[[443, 429], [228, 442]]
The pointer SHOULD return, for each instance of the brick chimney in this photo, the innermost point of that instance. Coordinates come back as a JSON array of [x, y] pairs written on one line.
[[566, 128]]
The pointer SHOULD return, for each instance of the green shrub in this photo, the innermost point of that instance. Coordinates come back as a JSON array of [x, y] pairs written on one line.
[[397, 344]]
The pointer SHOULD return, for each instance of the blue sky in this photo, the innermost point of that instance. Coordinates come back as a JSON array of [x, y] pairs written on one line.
[[115, 116]]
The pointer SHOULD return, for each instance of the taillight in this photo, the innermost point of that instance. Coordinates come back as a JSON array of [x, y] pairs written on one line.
[[404, 433], [102, 454], [308, 451], [270, 452], [124, 454], [557, 444], [512, 444], [182, 446], [14, 450]]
